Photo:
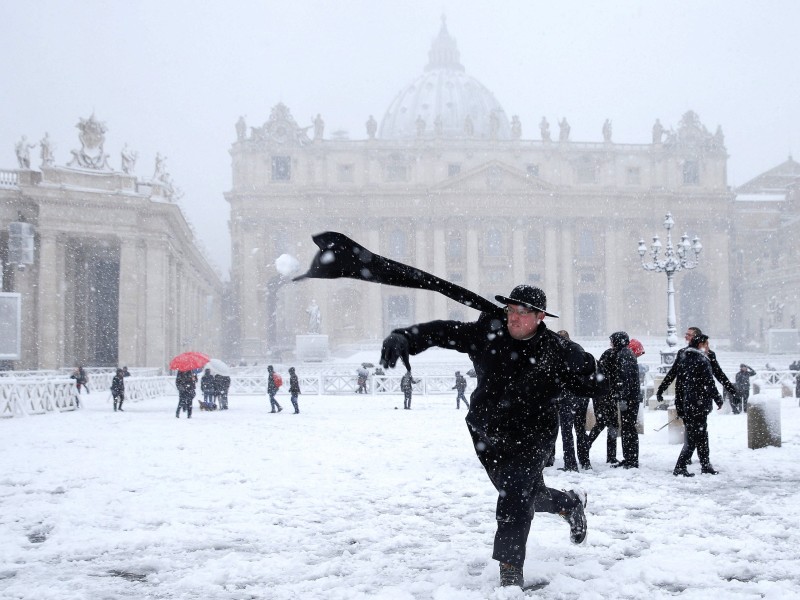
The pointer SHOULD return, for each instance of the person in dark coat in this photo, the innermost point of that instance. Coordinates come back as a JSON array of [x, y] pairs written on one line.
[[186, 382], [361, 379], [222, 383], [743, 388], [294, 389], [572, 415], [407, 387], [209, 391], [460, 387], [521, 367], [272, 389], [618, 365], [697, 393], [716, 369], [118, 389]]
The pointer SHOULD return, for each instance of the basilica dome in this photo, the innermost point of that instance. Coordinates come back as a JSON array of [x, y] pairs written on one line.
[[445, 102]]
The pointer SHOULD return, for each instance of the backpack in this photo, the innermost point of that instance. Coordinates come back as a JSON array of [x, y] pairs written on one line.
[[277, 379]]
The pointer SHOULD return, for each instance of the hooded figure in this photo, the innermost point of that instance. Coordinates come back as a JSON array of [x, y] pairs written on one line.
[[618, 365], [294, 389], [272, 389]]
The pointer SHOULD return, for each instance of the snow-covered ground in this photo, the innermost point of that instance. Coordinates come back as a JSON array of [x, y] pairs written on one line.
[[354, 499]]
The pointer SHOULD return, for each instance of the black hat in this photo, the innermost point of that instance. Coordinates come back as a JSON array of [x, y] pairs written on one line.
[[526, 295]]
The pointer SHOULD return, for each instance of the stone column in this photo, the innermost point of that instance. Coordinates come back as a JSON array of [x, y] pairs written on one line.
[[472, 262], [550, 251], [566, 308], [614, 280], [439, 269], [157, 289], [50, 293], [129, 284], [518, 257]]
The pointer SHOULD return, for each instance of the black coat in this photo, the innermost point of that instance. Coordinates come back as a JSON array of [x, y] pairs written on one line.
[[716, 371], [294, 384], [743, 382], [207, 384], [186, 381], [118, 386], [698, 391], [619, 366], [514, 403]]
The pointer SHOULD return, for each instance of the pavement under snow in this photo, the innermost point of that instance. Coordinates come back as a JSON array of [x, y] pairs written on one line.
[[355, 499]]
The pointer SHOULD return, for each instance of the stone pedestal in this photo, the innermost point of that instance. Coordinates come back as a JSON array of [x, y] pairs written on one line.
[[675, 430], [763, 422], [311, 347]]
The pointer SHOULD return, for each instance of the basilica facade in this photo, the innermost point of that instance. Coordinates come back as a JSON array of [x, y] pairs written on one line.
[[101, 263], [448, 182]]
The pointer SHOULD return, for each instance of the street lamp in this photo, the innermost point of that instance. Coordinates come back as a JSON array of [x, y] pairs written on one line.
[[684, 255]]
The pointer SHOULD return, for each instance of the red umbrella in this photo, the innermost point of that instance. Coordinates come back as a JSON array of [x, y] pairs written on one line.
[[188, 361]]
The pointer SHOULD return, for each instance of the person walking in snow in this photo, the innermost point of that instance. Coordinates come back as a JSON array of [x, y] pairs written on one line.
[[209, 391], [697, 392], [221, 384], [272, 389], [522, 367], [407, 387], [460, 387], [294, 389], [572, 417], [186, 383], [743, 388], [118, 389]]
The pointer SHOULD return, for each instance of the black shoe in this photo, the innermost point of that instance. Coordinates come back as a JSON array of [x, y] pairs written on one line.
[[682, 471], [511, 575], [280, 408], [587, 466], [630, 465], [273, 410], [709, 470], [576, 517], [612, 460], [568, 469]]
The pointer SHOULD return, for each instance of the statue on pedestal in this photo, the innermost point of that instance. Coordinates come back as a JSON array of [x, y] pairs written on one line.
[[48, 159], [564, 129], [658, 132], [516, 127], [23, 150], [372, 127], [314, 317], [607, 131], [319, 127], [128, 160], [241, 129], [544, 128]]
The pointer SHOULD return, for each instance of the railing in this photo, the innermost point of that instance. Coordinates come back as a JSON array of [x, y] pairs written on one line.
[[333, 384], [8, 178], [29, 396]]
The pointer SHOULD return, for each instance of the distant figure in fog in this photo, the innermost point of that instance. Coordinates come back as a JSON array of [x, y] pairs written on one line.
[[743, 388], [186, 382], [272, 389], [222, 383], [294, 389], [460, 387], [118, 389]]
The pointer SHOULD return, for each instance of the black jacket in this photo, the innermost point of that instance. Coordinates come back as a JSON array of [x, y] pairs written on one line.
[[294, 384], [518, 381], [461, 383], [118, 386], [207, 384], [696, 385], [618, 365], [186, 381], [716, 370], [743, 381]]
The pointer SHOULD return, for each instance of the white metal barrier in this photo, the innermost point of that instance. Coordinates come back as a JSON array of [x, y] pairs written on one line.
[[29, 396]]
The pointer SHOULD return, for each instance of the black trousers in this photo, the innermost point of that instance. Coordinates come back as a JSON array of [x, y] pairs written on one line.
[[630, 438], [461, 398], [407, 399], [696, 438], [607, 417], [572, 417], [521, 492]]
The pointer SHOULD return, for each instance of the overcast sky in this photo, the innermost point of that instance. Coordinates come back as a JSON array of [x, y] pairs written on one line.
[[173, 76]]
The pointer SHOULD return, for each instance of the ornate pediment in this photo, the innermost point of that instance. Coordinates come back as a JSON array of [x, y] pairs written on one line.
[[92, 137], [281, 128], [692, 134], [494, 176]]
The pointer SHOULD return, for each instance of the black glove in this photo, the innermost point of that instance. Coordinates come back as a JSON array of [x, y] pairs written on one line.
[[660, 398], [395, 347]]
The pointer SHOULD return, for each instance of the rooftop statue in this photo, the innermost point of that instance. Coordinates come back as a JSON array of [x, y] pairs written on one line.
[[516, 128], [544, 128], [607, 130], [372, 127], [564, 128], [23, 150], [48, 159], [319, 127], [658, 132], [241, 129], [128, 160]]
